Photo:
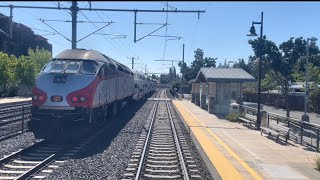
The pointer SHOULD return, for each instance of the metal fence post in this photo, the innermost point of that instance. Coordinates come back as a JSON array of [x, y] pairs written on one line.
[[22, 127], [301, 132], [318, 136]]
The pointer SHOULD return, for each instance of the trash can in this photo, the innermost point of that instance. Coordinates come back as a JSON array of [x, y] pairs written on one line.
[[234, 108]]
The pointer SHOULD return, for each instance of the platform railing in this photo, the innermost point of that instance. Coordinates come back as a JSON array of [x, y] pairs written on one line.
[[14, 118], [302, 132]]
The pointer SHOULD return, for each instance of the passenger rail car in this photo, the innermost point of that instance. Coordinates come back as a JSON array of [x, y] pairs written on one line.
[[78, 86], [143, 85]]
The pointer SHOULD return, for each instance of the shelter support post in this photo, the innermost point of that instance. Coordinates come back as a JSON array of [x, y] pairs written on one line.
[[211, 97], [197, 94], [193, 93], [203, 103]]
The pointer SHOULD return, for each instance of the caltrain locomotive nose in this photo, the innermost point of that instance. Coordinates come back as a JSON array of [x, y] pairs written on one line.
[[81, 87]]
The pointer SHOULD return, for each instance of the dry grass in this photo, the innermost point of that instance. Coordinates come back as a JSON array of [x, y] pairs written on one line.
[[317, 163]]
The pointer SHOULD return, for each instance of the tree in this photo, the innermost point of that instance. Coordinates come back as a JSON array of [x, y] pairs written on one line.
[[153, 76], [199, 62], [242, 64], [26, 71], [283, 62], [8, 81], [269, 82], [40, 57]]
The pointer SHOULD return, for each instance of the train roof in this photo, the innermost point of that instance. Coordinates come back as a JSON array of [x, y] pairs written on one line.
[[83, 54]]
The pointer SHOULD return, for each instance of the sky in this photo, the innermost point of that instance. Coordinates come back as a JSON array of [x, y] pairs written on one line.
[[220, 31]]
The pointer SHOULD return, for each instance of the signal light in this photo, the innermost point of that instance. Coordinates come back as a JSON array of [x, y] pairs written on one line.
[[74, 99]]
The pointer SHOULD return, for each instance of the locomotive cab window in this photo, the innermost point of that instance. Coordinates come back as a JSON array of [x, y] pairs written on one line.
[[89, 67], [47, 67], [73, 67], [110, 69], [58, 66]]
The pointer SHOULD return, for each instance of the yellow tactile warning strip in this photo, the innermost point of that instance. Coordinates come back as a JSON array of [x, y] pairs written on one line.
[[223, 166], [219, 161]]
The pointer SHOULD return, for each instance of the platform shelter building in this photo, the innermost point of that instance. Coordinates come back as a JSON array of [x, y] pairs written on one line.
[[215, 88]]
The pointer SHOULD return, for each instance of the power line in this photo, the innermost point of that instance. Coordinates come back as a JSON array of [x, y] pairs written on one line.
[[75, 9], [97, 27], [58, 4], [123, 42], [42, 30], [55, 30], [166, 34], [195, 32]]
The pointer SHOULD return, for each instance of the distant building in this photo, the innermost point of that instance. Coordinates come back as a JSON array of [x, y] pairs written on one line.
[[23, 38], [295, 87]]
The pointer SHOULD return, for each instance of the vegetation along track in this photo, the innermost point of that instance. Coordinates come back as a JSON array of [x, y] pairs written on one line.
[[161, 151]]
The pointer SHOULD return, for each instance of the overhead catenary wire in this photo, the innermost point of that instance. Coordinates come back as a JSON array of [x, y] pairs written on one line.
[[57, 4], [55, 30], [97, 27], [195, 33], [110, 28], [166, 34]]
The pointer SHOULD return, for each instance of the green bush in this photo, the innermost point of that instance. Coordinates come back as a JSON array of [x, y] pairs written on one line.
[[234, 117], [317, 162], [315, 100]]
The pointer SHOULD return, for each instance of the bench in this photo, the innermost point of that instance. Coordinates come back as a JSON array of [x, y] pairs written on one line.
[[277, 130], [248, 119]]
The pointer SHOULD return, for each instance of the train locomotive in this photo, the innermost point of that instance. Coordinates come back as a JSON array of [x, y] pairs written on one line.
[[82, 87]]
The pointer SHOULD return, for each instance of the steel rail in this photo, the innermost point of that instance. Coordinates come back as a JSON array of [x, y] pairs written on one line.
[[183, 165], [147, 140]]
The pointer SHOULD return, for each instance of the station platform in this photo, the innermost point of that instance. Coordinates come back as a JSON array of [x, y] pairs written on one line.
[[14, 100], [232, 151]]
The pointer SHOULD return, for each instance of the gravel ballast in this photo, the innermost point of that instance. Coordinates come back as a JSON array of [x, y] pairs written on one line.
[[15, 143], [108, 158]]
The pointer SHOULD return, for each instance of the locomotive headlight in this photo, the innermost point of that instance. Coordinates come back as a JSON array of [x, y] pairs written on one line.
[[83, 99]]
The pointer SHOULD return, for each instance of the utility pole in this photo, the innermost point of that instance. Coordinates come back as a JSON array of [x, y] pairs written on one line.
[[145, 70], [182, 70], [74, 10], [10, 26], [132, 61]]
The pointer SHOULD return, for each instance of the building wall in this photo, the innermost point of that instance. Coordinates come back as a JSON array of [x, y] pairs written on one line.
[[23, 38], [226, 92]]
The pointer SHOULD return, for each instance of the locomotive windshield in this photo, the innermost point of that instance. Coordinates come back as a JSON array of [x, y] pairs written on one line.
[[71, 66]]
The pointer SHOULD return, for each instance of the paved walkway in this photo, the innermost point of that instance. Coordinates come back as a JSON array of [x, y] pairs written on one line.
[[252, 155], [10, 100], [313, 117]]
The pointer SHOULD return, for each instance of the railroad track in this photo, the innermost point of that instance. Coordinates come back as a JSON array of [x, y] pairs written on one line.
[[162, 152], [40, 159]]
